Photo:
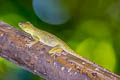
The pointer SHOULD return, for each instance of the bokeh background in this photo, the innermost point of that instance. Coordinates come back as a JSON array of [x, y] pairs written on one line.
[[90, 27]]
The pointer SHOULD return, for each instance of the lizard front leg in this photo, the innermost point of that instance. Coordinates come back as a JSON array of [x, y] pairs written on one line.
[[36, 39], [55, 50]]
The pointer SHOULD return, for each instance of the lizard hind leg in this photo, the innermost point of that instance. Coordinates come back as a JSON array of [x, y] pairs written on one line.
[[55, 50]]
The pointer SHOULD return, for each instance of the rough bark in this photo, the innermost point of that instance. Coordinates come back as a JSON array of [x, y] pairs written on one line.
[[61, 66]]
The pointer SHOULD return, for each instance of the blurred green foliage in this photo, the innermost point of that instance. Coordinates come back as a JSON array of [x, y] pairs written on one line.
[[93, 31]]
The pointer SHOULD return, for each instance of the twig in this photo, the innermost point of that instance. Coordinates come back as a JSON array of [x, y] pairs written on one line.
[[62, 66]]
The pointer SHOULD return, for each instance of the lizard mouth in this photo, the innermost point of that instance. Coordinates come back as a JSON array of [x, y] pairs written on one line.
[[20, 24]]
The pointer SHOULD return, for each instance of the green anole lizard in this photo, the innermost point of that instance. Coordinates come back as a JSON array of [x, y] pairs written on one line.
[[46, 38]]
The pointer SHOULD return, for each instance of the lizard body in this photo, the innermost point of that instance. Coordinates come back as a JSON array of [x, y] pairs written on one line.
[[47, 38]]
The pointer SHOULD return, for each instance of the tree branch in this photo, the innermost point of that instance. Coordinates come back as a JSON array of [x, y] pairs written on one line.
[[62, 66]]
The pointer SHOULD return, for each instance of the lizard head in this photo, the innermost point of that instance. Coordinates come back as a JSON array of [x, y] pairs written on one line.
[[27, 27]]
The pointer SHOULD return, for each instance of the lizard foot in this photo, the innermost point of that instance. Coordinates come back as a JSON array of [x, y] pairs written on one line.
[[32, 43], [29, 45], [55, 50]]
